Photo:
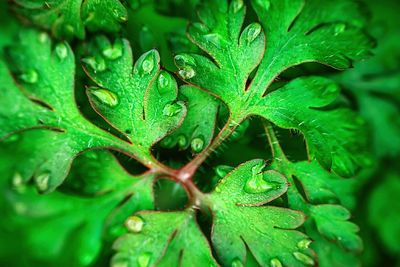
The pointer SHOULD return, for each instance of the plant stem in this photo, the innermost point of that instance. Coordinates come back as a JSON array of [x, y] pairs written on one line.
[[189, 169], [276, 149]]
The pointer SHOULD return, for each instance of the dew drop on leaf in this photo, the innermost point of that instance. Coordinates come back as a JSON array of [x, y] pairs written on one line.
[[237, 263], [213, 38], [182, 141], [307, 260], [171, 110], [187, 73], [134, 224], [304, 244], [42, 181], [105, 96], [184, 60], [113, 52], [144, 260], [17, 180], [120, 263], [167, 142], [257, 184], [253, 32], [237, 5], [275, 263], [30, 76], [164, 80], [148, 63], [97, 64], [61, 51], [43, 37], [197, 144]]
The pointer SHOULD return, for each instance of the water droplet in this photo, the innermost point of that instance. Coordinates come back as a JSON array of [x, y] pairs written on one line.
[[223, 170], [167, 142], [164, 81], [43, 37], [237, 5], [339, 28], [17, 180], [253, 31], [97, 64], [184, 60], [30, 76], [105, 96], [237, 263], [113, 52], [134, 224], [266, 4], [148, 62], [213, 38], [61, 51], [187, 73], [275, 263], [144, 260], [42, 181], [120, 263], [182, 141], [257, 169], [256, 184], [197, 144], [303, 258], [171, 110], [304, 244]]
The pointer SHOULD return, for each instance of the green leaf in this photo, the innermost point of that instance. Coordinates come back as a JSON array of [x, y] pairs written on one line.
[[163, 239], [312, 192], [384, 212], [332, 222], [293, 39], [71, 229], [335, 136], [308, 31], [46, 79], [240, 221], [329, 253], [197, 130], [68, 18], [321, 186], [140, 101]]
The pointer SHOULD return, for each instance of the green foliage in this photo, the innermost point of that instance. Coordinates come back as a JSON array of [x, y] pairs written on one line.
[[107, 158], [68, 18]]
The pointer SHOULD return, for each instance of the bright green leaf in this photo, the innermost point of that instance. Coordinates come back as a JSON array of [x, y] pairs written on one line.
[[197, 130], [140, 101], [163, 239], [68, 18], [239, 220]]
